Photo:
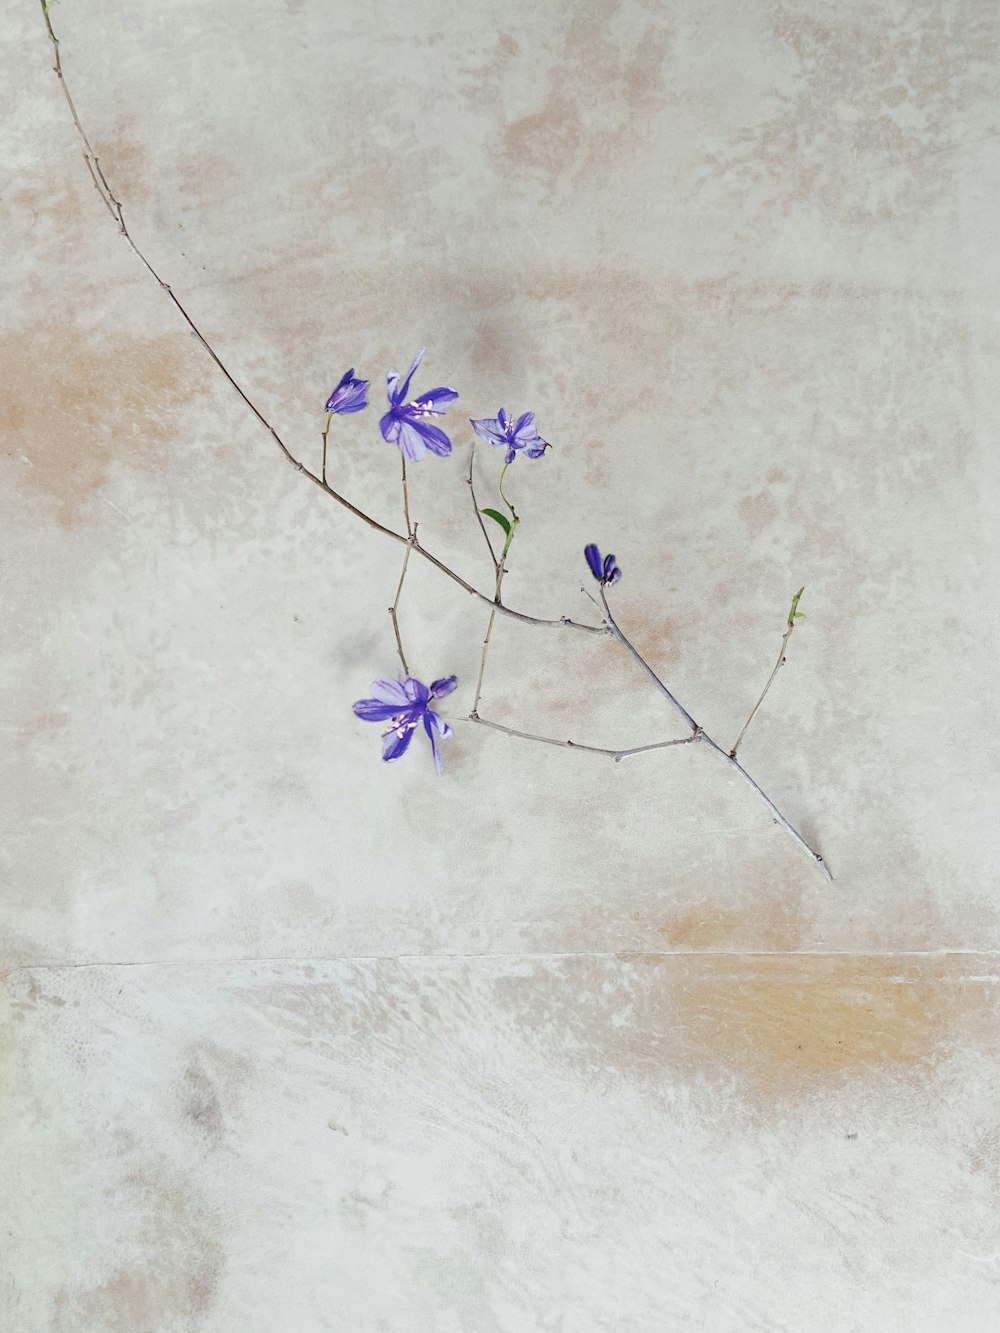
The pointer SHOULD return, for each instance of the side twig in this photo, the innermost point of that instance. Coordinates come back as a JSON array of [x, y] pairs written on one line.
[[475, 509], [699, 734], [616, 755], [793, 615], [412, 534]]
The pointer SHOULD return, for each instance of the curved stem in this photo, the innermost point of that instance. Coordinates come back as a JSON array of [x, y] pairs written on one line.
[[394, 609], [326, 431], [475, 508], [777, 667], [513, 512], [616, 755], [412, 533]]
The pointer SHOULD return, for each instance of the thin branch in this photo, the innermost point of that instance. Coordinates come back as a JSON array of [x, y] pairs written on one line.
[[326, 432], [699, 734], [616, 755], [793, 615], [395, 608], [409, 540], [406, 498], [645, 665], [779, 818], [412, 533], [115, 208], [479, 517]]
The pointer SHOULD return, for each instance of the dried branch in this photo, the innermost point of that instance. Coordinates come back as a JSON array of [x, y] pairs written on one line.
[[616, 755], [793, 615], [410, 542], [115, 208], [699, 734], [475, 509]]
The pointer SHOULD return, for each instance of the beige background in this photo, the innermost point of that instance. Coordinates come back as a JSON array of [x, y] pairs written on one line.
[[294, 1040]]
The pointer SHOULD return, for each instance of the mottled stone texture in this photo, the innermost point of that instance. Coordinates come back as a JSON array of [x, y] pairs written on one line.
[[291, 1041]]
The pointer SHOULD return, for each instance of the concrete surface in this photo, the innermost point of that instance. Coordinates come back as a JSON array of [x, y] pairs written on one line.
[[294, 1040]]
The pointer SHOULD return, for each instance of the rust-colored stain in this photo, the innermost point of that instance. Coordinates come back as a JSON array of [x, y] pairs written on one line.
[[561, 138], [768, 1028], [72, 404], [783, 1033]]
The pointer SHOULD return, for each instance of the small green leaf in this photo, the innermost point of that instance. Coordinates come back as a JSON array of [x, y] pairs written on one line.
[[497, 518]]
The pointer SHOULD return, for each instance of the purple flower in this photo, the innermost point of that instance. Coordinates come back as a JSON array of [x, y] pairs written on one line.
[[404, 705], [349, 395], [514, 435], [403, 424], [606, 570]]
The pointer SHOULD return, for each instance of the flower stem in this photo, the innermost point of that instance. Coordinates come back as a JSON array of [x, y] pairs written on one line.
[[501, 565], [326, 431], [475, 510], [793, 613], [513, 514], [411, 533], [395, 607]]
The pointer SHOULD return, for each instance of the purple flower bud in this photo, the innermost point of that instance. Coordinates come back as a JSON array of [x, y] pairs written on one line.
[[349, 395], [605, 571]]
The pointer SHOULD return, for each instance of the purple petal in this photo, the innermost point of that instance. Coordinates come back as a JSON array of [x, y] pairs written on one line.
[[390, 692], [416, 691], [511, 455], [389, 426], [594, 560], [410, 439], [429, 728], [489, 429], [609, 564], [438, 721], [525, 419], [439, 688], [404, 388], [615, 575], [436, 440], [503, 419], [435, 400], [373, 710], [396, 742], [348, 400], [535, 448]]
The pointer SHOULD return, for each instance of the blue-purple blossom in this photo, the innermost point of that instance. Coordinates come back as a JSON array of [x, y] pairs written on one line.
[[404, 423], [514, 435], [405, 705], [349, 395], [606, 570]]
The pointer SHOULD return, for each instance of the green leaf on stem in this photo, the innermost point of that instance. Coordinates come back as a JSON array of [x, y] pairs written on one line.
[[498, 518]]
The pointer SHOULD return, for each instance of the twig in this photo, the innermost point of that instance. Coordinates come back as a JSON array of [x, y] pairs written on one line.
[[326, 432], [115, 208], [409, 540], [645, 665], [412, 535], [501, 571], [793, 615], [479, 517], [616, 755], [699, 734], [394, 611]]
